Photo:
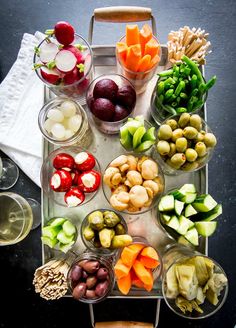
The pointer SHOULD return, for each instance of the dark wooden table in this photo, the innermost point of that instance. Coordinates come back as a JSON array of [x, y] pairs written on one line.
[[17, 263]]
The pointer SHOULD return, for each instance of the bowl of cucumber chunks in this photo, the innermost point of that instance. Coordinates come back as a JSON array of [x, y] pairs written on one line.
[[59, 233], [186, 214]]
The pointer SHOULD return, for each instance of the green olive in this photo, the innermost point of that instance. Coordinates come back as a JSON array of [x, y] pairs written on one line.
[[174, 166], [191, 155], [163, 147], [165, 132], [190, 132], [172, 123], [200, 148], [184, 120], [210, 140], [200, 137], [178, 159], [172, 149], [189, 166], [203, 132], [196, 122], [178, 133], [181, 144]]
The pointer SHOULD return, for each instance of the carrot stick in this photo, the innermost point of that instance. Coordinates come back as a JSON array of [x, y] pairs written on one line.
[[145, 35], [122, 51], [151, 48], [132, 35], [154, 61], [133, 57], [144, 63]]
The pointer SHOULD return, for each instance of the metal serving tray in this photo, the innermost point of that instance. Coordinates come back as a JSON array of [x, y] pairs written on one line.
[[107, 147]]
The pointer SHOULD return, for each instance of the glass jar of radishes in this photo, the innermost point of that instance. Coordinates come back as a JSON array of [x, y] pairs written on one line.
[[64, 122]]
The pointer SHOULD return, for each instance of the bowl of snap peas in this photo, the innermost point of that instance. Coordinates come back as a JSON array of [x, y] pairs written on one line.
[[180, 89]]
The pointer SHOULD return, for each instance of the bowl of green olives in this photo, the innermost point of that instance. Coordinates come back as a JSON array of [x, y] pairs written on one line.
[[104, 232], [185, 143]]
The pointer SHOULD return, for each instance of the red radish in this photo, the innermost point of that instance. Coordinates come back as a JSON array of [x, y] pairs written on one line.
[[47, 52], [51, 76], [75, 175], [75, 51], [65, 61], [63, 161], [64, 33], [61, 180], [89, 181], [72, 76], [74, 197], [84, 161]]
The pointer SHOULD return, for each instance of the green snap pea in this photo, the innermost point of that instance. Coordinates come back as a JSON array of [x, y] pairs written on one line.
[[160, 87], [176, 71], [194, 92], [194, 68], [168, 72], [183, 95], [168, 94], [193, 81], [179, 88], [181, 110], [210, 83]]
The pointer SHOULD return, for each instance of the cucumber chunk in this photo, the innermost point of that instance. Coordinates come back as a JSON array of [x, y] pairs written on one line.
[[192, 236], [206, 228], [184, 241], [49, 242], [65, 247], [204, 203], [188, 187], [63, 238], [165, 218], [57, 222], [189, 210], [177, 194], [167, 203], [69, 228], [150, 134], [173, 223], [145, 145], [189, 198], [178, 207], [184, 225], [50, 232], [211, 215]]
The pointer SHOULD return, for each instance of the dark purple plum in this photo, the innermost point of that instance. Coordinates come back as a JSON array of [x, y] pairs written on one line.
[[126, 96], [103, 109], [120, 113], [105, 88]]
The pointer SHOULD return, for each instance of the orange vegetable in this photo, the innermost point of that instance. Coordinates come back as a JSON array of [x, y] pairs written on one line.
[[148, 263], [144, 63], [132, 35], [121, 270], [135, 280], [142, 273], [145, 35], [124, 284], [150, 252], [128, 255], [151, 48], [122, 51], [149, 287], [133, 57], [136, 247], [154, 61]]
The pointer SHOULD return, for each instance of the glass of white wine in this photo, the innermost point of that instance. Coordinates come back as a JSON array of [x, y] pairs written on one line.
[[16, 218], [9, 173]]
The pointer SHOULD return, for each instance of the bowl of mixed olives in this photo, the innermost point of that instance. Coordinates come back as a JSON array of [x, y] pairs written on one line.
[[105, 232], [185, 144]]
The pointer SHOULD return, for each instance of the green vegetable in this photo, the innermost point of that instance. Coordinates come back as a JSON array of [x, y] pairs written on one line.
[[166, 73], [204, 203], [206, 228], [137, 137], [180, 87], [68, 228]]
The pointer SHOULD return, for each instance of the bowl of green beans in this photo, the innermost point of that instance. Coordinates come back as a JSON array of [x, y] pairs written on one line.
[[180, 89]]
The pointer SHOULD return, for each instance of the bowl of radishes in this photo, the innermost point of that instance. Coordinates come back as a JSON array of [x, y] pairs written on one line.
[[70, 176], [63, 61]]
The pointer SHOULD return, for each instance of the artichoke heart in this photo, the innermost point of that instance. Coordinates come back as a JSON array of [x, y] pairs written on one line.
[[183, 304], [172, 290], [201, 269], [214, 286], [200, 298], [187, 279]]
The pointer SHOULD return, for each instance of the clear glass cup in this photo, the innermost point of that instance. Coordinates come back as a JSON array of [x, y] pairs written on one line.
[[47, 170], [105, 262], [139, 79], [90, 244], [76, 90], [187, 167], [108, 192], [178, 254], [82, 137], [106, 126], [16, 218], [9, 173], [160, 113]]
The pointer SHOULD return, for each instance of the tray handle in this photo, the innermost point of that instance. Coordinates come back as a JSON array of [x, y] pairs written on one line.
[[121, 14], [123, 324]]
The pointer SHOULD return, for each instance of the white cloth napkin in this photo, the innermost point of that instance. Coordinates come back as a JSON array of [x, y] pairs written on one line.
[[21, 98]]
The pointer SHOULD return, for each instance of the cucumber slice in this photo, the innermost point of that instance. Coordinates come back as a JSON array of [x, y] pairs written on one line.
[[177, 194], [49, 242], [189, 198], [189, 211], [69, 228], [167, 203], [132, 126], [206, 228], [63, 238], [173, 223], [165, 218], [145, 146], [184, 241], [184, 225], [204, 203], [150, 135], [211, 215], [178, 207], [137, 137], [57, 222], [50, 232], [192, 236], [188, 187], [65, 247]]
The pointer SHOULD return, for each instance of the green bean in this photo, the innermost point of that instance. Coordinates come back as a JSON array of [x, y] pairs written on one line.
[[176, 71], [194, 92], [174, 104], [193, 81], [181, 110], [191, 102], [183, 95], [160, 87], [166, 73], [210, 83], [187, 71], [170, 109], [161, 98], [178, 99], [172, 97], [179, 88], [194, 68], [202, 88], [168, 94], [197, 105]]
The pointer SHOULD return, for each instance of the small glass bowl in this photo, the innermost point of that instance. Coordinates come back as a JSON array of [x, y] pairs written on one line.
[[138, 79], [83, 137], [108, 193], [90, 244], [47, 170], [180, 254], [160, 113], [104, 262], [187, 167], [76, 90], [106, 126]]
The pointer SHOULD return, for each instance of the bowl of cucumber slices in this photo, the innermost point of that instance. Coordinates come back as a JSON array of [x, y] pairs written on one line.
[[186, 214]]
